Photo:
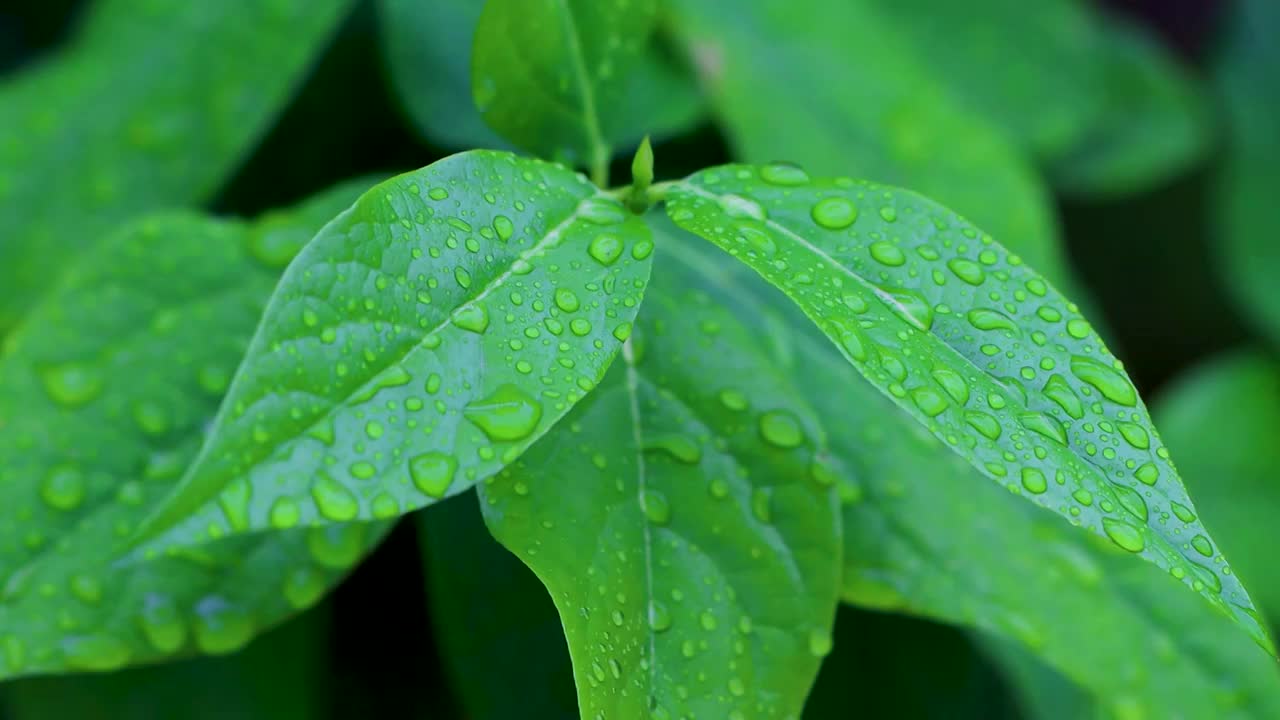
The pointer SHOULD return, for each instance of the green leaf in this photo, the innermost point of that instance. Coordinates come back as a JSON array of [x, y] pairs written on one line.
[[975, 346], [926, 535], [831, 86], [427, 46], [683, 522], [108, 386], [274, 678], [1031, 69], [1154, 125], [422, 341], [573, 79], [1245, 221], [1222, 421], [145, 109], [498, 633]]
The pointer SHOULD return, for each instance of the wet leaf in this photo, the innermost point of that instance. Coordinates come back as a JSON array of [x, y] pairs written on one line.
[[108, 386], [418, 344], [975, 346]]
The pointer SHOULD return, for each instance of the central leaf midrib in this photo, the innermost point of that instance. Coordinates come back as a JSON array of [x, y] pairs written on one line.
[[637, 436], [592, 121]]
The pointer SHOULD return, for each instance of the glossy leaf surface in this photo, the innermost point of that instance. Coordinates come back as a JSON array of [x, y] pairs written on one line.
[[683, 522], [1031, 69], [927, 535], [274, 678], [852, 96], [419, 343], [1154, 122], [172, 115], [428, 48], [974, 345], [1246, 223], [1221, 421], [105, 391], [499, 636], [572, 79]]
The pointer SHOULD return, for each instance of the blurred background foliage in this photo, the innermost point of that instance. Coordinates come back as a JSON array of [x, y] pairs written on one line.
[[1129, 149]]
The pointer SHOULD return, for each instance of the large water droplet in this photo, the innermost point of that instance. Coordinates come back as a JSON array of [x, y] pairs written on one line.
[[1058, 390], [1123, 534], [1130, 500], [473, 317], [736, 206], [1034, 480], [784, 175], [605, 249], [987, 319], [507, 414], [432, 473], [333, 499], [72, 384], [886, 253], [834, 213], [967, 270], [1108, 381]]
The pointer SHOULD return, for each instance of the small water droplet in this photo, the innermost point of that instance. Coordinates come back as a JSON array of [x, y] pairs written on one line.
[[784, 175], [63, 488], [72, 384], [333, 499], [433, 472], [605, 249], [834, 213], [655, 506], [781, 429]]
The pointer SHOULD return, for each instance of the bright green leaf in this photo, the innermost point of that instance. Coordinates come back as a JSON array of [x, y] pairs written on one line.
[[683, 522], [1155, 122], [1030, 68], [107, 388], [1245, 75], [831, 86], [149, 107], [927, 535], [417, 345], [975, 346], [274, 678], [499, 636], [1222, 422], [572, 79]]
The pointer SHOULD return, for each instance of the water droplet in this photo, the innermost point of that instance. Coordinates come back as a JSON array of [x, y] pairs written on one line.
[[566, 300], [733, 399], [1147, 474], [736, 206], [605, 249], [911, 306], [983, 423], [655, 506], [930, 403], [785, 175], [221, 628], [507, 414], [1130, 500], [333, 500], [86, 588], [762, 505], [781, 429], [820, 642], [1078, 329], [438, 193], [1202, 545], [1135, 435], [1034, 480], [680, 447], [303, 587], [1123, 534], [433, 473], [886, 253], [63, 488], [504, 227], [95, 652], [967, 270], [1108, 381], [952, 383], [986, 319], [659, 617], [1183, 512], [162, 625], [336, 546], [1058, 390], [834, 213], [1044, 425], [473, 317], [602, 211], [285, 513], [72, 384]]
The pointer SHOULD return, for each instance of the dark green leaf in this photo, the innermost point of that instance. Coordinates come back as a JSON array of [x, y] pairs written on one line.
[[1247, 223], [146, 109], [417, 345], [975, 346], [499, 635], [572, 79], [1030, 68], [1222, 421], [275, 678], [683, 522], [927, 535], [107, 388], [830, 86], [1154, 123]]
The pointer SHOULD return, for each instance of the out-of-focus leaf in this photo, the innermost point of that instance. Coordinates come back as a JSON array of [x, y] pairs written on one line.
[[831, 86], [570, 79], [152, 105], [1245, 74], [419, 343], [275, 678], [105, 391], [1154, 123], [499, 635], [973, 345], [1040, 692], [1223, 423], [1030, 68], [683, 522], [428, 55]]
